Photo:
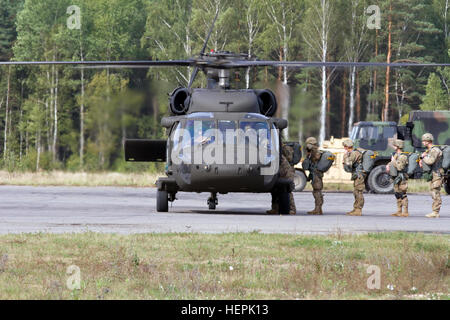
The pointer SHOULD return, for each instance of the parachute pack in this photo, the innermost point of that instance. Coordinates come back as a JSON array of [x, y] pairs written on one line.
[[413, 164], [326, 161], [323, 165], [445, 157], [368, 159]]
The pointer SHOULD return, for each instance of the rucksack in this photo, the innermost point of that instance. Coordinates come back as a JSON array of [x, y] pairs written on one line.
[[413, 163], [326, 161], [368, 159], [445, 157]]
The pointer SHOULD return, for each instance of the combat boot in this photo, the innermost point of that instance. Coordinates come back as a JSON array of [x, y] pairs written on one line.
[[355, 212], [316, 211], [274, 209], [399, 209], [433, 215], [350, 213], [405, 213]]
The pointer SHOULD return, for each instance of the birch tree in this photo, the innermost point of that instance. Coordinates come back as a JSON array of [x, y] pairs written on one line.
[[355, 45], [316, 35]]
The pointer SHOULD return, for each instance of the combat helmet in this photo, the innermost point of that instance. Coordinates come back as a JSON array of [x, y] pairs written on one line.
[[427, 137], [348, 143], [399, 143], [311, 140]]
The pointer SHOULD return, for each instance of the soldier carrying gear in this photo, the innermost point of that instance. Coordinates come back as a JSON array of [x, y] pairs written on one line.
[[399, 162], [353, 163], [286, 171], [316, 177], [433, 158]]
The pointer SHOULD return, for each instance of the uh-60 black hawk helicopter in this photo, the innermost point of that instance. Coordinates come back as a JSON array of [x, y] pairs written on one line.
[[205, 121]]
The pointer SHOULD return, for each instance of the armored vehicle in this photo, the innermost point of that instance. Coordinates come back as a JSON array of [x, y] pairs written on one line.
[[379, 136]]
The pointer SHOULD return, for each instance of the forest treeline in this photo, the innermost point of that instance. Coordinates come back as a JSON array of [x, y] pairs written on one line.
[[60, 117]]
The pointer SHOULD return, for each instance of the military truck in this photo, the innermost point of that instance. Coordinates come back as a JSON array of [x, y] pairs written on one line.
[[379, 136]]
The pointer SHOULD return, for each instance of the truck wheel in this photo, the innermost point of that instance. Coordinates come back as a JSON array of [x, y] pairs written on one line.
[[447, 187], [299, 181], [283, 203], [379, 180], [162, 201]]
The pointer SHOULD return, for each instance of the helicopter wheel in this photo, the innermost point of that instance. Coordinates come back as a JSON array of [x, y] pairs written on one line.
[[162, 201], [212, 201]]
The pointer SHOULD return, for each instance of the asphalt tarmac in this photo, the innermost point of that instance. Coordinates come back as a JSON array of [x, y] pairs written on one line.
[[132, 210]]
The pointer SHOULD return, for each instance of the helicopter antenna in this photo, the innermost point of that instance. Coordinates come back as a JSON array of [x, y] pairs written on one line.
[[195, 72]]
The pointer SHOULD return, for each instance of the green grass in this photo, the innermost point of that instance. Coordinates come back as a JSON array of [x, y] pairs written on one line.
[[227, 266]]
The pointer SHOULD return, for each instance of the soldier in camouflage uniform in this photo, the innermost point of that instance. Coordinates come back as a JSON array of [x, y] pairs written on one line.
[[286, 171], [400, 162], [314, 154], [352, 163], [433, 158]]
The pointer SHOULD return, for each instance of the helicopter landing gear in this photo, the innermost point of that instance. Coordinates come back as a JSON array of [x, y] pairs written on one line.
[[212, 201], [162, 201]]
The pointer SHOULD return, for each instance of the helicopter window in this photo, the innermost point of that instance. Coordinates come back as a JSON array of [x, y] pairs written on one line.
[[255, 116], [200, 131], [223, 126], [207, 115], [257, 126]]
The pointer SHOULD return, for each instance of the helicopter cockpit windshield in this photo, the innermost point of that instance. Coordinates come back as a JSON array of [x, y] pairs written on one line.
[[255, 135]]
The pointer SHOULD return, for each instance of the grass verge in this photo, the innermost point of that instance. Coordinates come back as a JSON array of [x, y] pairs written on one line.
[[228, 266], [61, 178]]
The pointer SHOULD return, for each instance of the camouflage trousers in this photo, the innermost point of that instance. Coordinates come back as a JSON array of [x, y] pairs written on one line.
[[435, 187], [292, 207], [317, 185], [400, 190], [358, 192]]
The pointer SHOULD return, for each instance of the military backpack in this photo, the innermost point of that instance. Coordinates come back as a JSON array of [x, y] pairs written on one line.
[[368, 160]]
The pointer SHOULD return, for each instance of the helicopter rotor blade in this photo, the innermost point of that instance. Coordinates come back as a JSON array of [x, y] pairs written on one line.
[[113, 64], [307, 64], [202, 52]]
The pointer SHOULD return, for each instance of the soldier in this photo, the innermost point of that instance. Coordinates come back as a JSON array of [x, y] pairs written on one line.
[[353, 163], [286, 171], [400, 162], [314, 154], [433, 158]]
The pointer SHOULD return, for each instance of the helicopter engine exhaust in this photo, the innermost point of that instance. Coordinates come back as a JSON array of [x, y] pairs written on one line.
[[179, 101], [267, 102]]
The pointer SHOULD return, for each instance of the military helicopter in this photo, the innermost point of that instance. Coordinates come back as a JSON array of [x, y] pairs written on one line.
[[205, 120]]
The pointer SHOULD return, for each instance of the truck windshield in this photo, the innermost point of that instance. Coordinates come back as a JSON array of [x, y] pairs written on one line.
[[373, 132]]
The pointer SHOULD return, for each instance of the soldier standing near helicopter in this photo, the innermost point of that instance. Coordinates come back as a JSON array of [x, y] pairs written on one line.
[[286, 171], [433, 158], [399, 162], [353, 163], [316, 177]]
